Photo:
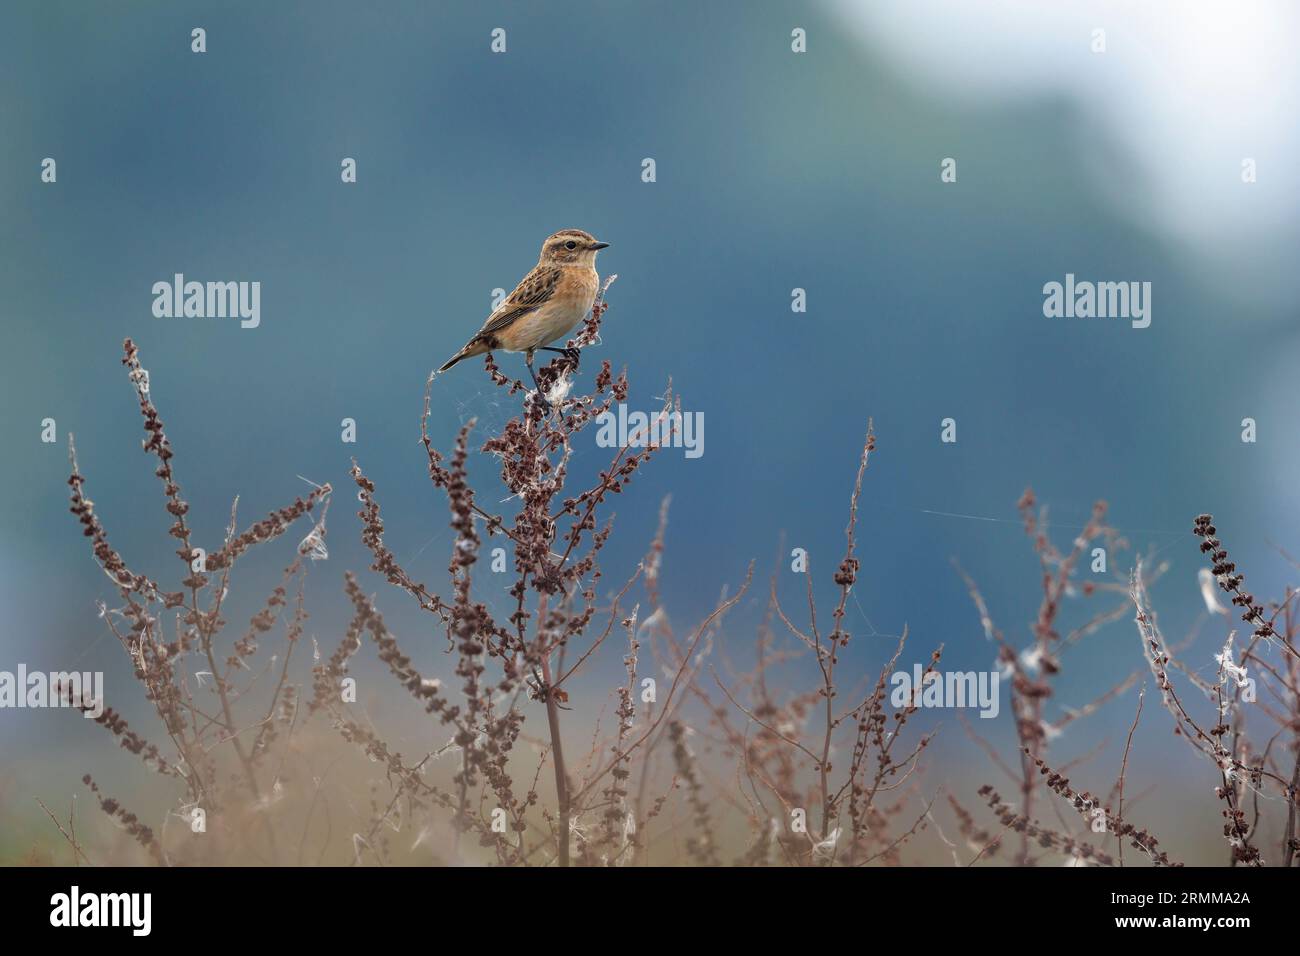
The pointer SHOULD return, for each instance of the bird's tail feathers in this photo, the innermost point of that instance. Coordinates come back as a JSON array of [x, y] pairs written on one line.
[[473, 348]]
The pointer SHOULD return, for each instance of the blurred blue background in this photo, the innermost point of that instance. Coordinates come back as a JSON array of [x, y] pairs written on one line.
[[775, 170]]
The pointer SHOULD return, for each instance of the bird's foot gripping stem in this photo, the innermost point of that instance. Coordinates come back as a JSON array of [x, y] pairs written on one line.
[[572, 354]]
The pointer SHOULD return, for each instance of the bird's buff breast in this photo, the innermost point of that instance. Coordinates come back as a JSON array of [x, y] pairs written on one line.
[[557, 318]]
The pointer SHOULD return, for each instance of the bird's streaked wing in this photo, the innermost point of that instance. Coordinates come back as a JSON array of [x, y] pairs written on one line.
[[533, 292]]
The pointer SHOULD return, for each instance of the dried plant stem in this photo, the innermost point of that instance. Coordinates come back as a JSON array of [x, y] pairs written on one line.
[[1123, 770], [72, 840], [562, 794]]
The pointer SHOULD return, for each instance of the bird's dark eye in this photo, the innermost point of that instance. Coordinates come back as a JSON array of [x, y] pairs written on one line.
[[570, 244]]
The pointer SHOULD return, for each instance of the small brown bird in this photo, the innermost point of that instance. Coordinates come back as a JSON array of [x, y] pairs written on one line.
[[547, 304]]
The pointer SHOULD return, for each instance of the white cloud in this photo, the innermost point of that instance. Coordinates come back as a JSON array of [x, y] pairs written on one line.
[[1186, 89]]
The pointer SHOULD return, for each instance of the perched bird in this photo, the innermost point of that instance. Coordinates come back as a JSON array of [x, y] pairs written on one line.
[[547, 304]]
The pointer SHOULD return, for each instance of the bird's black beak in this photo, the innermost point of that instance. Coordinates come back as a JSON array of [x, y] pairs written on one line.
[[600, 245]]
